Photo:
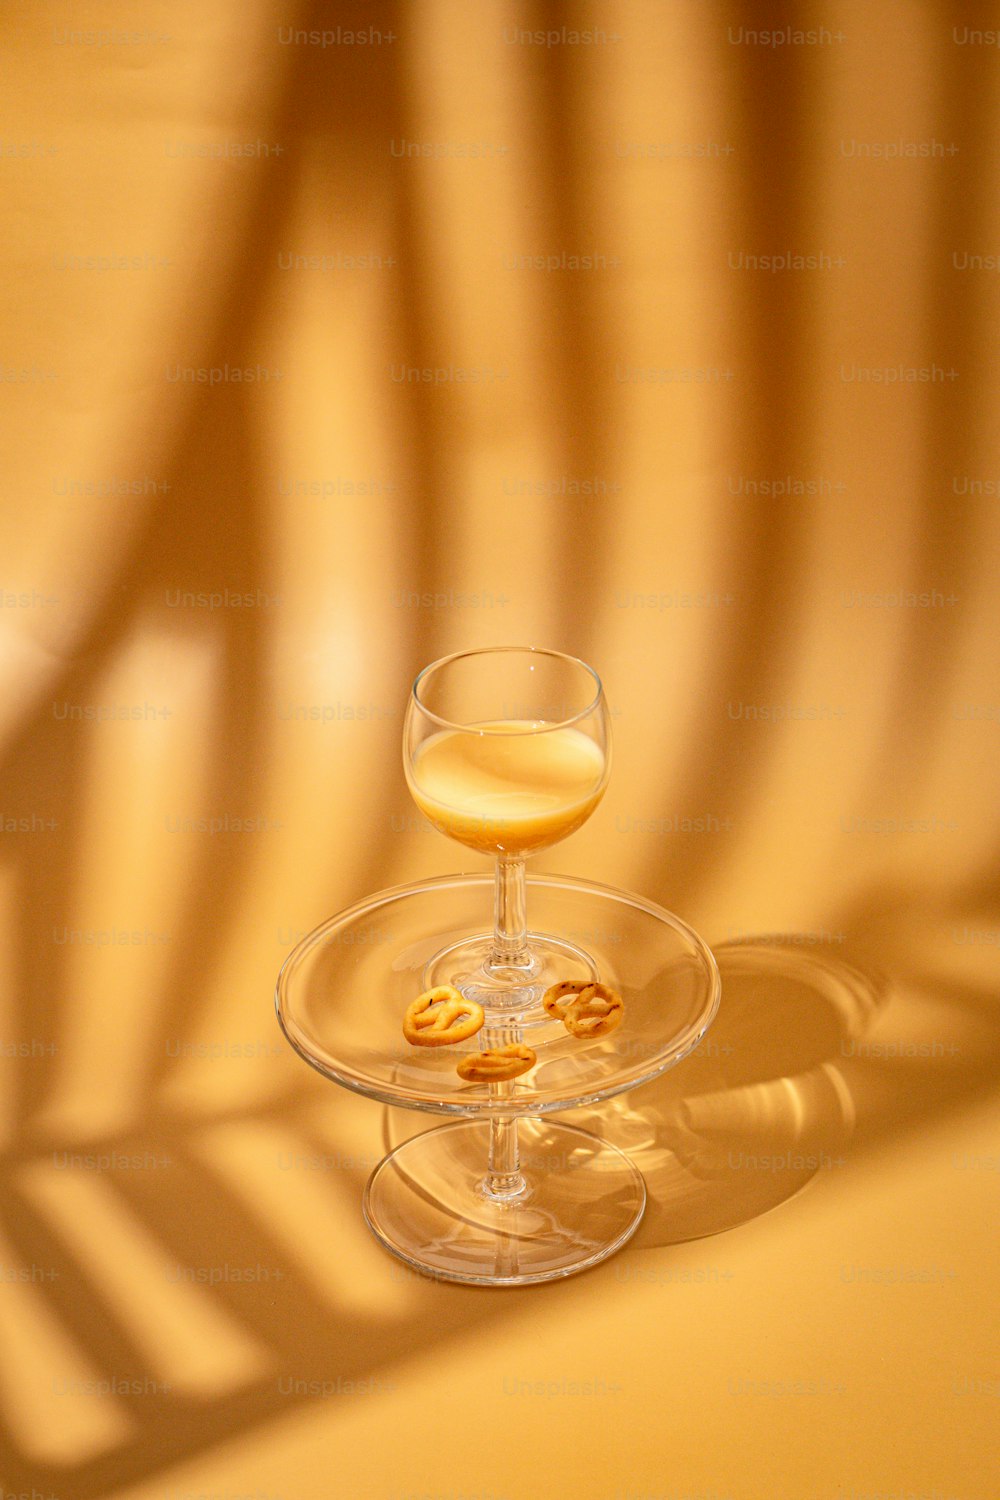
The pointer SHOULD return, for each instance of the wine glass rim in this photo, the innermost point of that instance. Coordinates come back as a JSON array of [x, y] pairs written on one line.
[[545, 728]]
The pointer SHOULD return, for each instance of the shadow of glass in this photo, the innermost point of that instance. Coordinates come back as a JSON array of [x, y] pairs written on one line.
[[760, 1107]]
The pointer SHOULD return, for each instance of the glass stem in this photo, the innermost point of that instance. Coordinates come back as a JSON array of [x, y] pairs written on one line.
[[510, 951], [510, 937], [503, 1179]]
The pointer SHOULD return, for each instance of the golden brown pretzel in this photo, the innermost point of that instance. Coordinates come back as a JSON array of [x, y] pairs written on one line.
[[441, 1017], [558, 997], [498, 1065], [597, 1010]]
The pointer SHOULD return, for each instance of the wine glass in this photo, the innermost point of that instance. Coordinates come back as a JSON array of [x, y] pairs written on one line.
[[508, 750]]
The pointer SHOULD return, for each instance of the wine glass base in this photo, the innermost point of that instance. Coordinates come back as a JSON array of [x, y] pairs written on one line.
[[427, 1202], [513, 991]]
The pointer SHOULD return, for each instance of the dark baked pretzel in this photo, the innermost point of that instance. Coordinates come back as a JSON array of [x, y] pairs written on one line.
[[558, 997], [497, 1066], [597, 1010], [441, 1017]]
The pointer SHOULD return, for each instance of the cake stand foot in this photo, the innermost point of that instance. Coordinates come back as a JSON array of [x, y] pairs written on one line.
[[429, 1203]]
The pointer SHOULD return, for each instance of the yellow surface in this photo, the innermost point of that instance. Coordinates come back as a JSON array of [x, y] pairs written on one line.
[[322, 358]]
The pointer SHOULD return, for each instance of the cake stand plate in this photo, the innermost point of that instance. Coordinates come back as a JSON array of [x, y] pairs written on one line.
[[571, 1198]]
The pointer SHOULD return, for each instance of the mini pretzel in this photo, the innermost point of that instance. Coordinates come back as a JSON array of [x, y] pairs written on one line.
[[597, 1010], [497, 1066], [441, 1017], [558, 997]]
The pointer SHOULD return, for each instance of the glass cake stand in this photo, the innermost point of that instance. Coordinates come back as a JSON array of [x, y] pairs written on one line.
[[502, 1195]]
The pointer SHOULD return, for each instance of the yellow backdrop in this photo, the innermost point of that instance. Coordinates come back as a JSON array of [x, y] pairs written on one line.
[[339, 337]]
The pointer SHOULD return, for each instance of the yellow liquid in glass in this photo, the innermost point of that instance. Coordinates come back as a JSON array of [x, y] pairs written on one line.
[[507, 793]]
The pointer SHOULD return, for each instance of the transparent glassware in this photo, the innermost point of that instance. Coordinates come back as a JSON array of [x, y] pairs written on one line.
[[508, 750]]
